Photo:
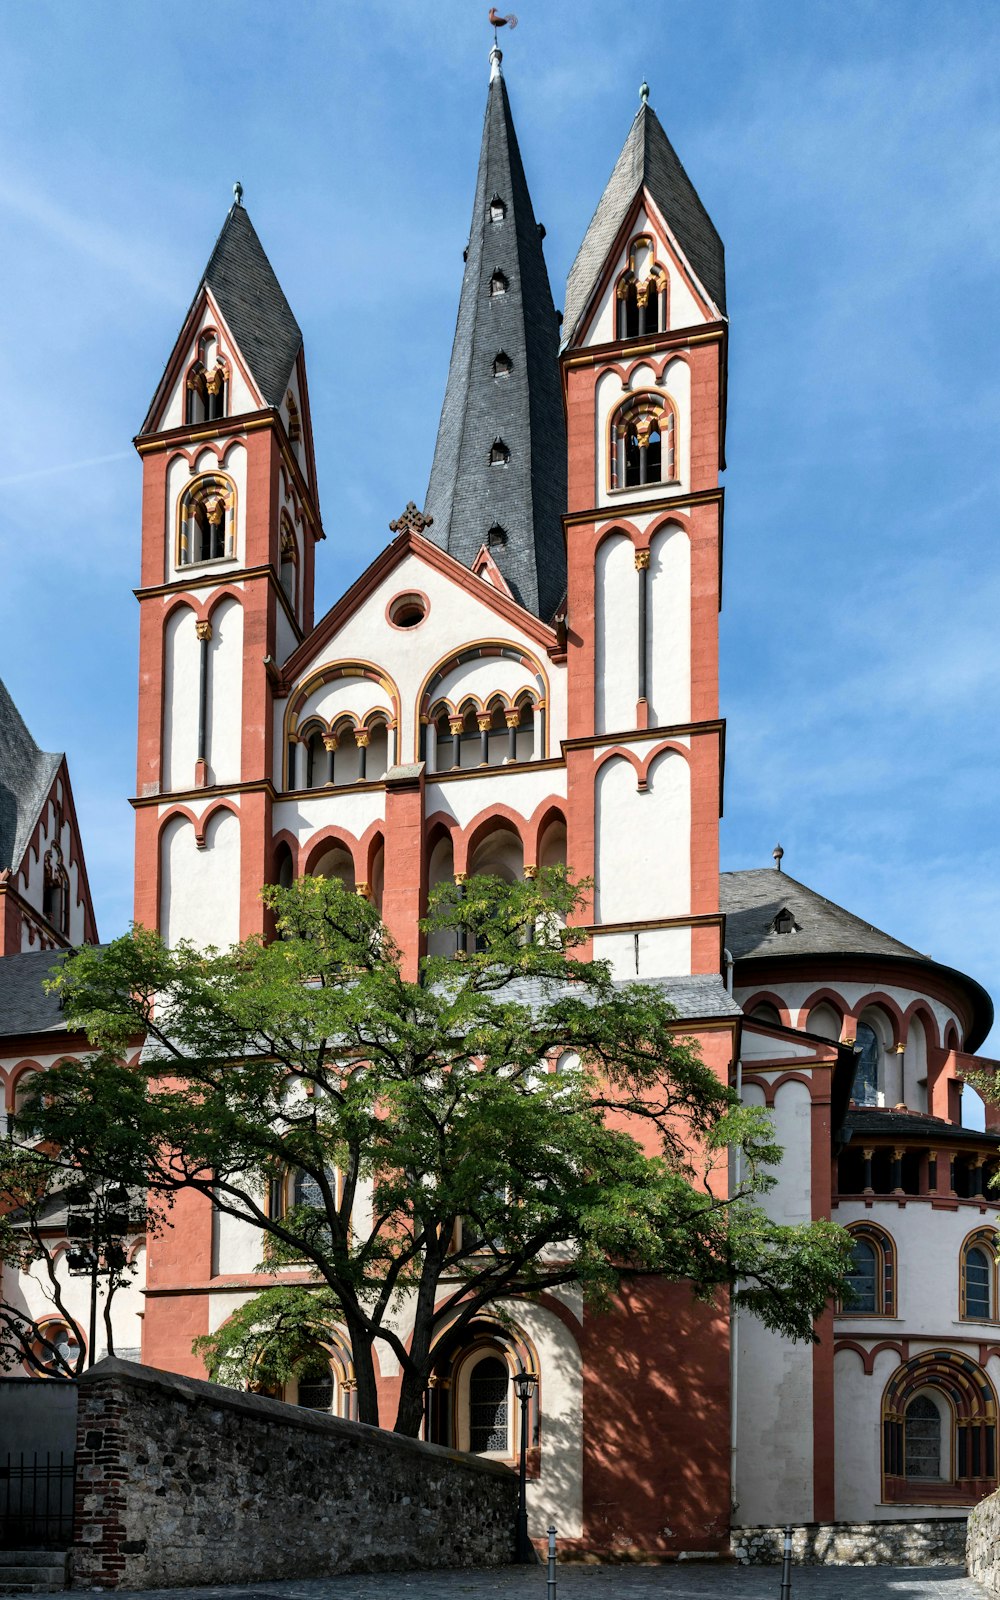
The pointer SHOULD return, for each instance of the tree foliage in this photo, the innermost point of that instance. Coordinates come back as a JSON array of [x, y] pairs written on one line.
[[447, 1165]]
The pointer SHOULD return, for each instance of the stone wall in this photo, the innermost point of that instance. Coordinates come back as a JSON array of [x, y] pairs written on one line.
[[181, 1482], [935, 1542], [983, 1545]]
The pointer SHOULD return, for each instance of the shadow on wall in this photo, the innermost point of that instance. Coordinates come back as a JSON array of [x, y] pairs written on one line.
[[933, 1542]]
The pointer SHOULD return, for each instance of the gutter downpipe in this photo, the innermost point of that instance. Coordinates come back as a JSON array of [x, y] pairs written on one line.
[[734, 1326]]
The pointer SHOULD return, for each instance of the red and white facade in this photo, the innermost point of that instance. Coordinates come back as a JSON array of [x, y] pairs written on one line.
[[430, 726]]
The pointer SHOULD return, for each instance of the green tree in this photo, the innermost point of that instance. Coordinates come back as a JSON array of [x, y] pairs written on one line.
[[446, 1165]]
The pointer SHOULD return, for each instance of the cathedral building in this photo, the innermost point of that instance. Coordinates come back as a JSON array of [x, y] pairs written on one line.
[[528, 674]]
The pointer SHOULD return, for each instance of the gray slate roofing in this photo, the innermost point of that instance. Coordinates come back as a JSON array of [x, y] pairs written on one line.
[[647, 159], [26, 775], [25, 1005], [900, 1124], [751, 900], [251, 299], [467, 495]]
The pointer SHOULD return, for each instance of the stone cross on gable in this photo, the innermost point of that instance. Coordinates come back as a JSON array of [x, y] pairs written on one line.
[[411, 521]]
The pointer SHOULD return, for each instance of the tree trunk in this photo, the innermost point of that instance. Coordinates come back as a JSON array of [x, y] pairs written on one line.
[[364, 1372], [410, 1412]]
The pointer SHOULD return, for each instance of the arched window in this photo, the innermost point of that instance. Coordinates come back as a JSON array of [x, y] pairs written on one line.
[[977, 1299], [489, 1407], [644, 442], [502, 365], [315, 1377], [496, 538], [498, 283], [922, 1438], [642, 304], [288, 561], [866, 1076], [207, 520], [871, 1281], [499, 453], [306, 1191], [207, 386]]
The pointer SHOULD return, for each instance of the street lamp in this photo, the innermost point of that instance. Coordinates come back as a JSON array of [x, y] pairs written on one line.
[[524, 1387]]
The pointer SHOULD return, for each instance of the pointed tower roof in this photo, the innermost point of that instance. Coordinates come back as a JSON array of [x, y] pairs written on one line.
[[505, 316], [26, 775], [648, 160], [248, 294]]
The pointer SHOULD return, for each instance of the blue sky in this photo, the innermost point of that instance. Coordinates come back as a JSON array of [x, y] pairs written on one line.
[[849, 154]]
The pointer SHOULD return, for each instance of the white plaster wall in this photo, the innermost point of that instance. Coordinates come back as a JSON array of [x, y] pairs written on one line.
[[354, 697], [557, 1496], [668, 628], [684, 309], [286, 638], [616, 663], [32, 1292], [485, 678], [242, 398], [200, 889], [327, 808], [456, 618], [928, 1248], [774, 1459], [523, 791], [654, 879], [181, 685], [179, 476], [236, 1245], [662, 952], [225, 693]]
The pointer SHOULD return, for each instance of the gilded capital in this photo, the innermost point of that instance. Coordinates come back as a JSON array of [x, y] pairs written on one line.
[[330, 742], [531, 873], [361, 738], [641, 560], [203, 630]]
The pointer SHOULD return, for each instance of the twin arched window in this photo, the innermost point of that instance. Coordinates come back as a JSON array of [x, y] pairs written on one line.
[[207, 520], [207, 386], [642, 304], [644, 442]]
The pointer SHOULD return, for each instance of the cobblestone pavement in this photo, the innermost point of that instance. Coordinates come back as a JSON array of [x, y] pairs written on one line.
[[703, 1581]]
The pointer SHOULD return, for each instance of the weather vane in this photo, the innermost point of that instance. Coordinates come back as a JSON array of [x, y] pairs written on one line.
[[497, 21]]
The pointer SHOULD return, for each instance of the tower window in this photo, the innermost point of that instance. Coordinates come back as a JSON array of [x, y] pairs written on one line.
[[207, 524], [207, 387], [644, 443], [502, 364], [496, 538], [294, 424], [498, 283], [498, 210], [499, 453]]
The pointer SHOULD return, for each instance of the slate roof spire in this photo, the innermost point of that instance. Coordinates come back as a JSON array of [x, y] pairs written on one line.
[[26, 775], [648, 160], [500, 457], [251, 299]]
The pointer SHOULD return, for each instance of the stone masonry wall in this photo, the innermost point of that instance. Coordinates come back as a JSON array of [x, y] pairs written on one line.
[[181, 1482], [939, 1541], [983, 1546]]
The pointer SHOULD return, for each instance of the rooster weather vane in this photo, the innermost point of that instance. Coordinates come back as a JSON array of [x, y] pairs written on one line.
[[497, 21]]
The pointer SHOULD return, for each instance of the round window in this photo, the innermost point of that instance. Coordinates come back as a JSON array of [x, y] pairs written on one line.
[[407, 610]]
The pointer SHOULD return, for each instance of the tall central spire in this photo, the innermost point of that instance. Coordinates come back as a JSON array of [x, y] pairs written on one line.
[[499, 472]]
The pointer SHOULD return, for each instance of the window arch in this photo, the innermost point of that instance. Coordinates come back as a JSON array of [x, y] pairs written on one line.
[[315, 1389], [641, 292], [948, 1459], [471, 1403], [490, 1407], [871, 1281], [207, 386], [207, 517], [644, 441], [978, 1277]]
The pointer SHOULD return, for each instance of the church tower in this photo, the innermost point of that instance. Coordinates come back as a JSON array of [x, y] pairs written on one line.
[[498, 480], [230, 524], [643, 368]]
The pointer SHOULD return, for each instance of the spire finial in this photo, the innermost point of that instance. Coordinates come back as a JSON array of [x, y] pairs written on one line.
[[497, 21], [644, 92], [777, 853], [238, 192], [496, 56]]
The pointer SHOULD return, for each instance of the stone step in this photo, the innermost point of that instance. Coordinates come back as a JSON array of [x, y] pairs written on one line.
[[34, 1588], [51, 1560]]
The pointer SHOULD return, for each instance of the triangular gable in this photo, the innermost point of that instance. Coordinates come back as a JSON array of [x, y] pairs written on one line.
[[405, 544], [204, 312], [486, 568]]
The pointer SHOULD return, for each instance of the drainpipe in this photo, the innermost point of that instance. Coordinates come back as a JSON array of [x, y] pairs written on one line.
[[727, 957]]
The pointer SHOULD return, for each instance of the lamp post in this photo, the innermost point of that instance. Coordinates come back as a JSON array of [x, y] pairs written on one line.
[[524, 1552]]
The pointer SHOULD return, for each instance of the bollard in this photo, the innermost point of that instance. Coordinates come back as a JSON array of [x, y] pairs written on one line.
[[550, 1588], [786, 1566]]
